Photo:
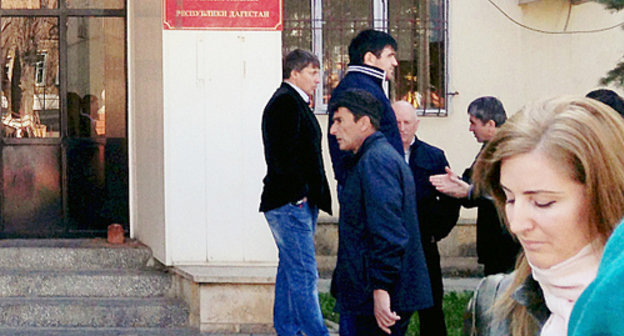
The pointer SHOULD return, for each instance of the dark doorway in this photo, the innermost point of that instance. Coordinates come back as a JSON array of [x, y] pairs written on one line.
[[63, 149]]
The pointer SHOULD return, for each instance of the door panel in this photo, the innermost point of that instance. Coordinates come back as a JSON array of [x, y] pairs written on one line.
[[31, 191], [63, 145]]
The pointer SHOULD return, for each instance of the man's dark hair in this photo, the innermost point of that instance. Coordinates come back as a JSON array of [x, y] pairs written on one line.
[[361, 103], [297, 60], [488, 108], [369, 40], [608, 97]]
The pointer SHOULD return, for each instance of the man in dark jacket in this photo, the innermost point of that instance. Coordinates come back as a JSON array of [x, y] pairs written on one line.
[[295, 187], [496, 248], [608, 97], [372, 59], [381, 275], [437, 213]]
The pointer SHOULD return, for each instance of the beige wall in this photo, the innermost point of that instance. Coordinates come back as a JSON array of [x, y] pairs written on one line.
[[490, 55], [145, 125]]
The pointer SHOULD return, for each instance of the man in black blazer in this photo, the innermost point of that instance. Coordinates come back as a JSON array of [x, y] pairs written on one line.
[[295, 188], [437, 213], [496, 248]]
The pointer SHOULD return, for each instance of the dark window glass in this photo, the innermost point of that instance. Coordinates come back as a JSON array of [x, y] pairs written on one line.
[[420, 30], [297, 31], [96, 51], [342, 20], [103, 4], [96, 122]]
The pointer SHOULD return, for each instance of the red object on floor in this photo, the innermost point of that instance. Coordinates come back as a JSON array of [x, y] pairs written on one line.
[[115, 234]]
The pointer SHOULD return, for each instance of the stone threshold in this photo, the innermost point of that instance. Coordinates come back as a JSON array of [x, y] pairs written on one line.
[[228, 298], [232, 274]]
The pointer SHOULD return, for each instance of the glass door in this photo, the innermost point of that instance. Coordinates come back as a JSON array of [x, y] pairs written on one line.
[[63, 148]]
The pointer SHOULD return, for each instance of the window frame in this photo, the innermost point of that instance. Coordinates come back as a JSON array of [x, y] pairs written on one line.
[[380, 22]]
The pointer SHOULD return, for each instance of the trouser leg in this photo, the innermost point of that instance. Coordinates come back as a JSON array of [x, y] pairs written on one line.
[[293, 229], [366, 325], [432, 319]]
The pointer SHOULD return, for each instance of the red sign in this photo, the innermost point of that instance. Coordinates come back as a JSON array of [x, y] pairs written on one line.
[[223, 14]]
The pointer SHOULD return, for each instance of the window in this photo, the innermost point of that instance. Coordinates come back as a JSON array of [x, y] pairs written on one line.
[[40, 66], [327, 26]]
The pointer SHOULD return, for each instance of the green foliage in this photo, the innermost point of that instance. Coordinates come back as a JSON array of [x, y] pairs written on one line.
[[454, 305], [612, 4], [327, 307], [616, 75]]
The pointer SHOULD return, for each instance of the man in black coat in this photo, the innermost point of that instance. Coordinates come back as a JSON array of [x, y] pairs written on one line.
[[608, 97], [381, 275], [437, 213], [496, 248], [372, 59], [295, 187]]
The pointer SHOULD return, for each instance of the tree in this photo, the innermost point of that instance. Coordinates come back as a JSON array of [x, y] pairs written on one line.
[[616, 75], [22, 41]]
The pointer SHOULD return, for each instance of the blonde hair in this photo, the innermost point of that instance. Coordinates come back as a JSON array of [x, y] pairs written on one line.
[[586, 138]]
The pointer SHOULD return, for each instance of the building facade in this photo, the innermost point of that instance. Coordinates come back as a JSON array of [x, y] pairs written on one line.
[[111, 116]]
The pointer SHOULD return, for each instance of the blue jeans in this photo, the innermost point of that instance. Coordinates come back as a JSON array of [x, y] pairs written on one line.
[[296, 309]]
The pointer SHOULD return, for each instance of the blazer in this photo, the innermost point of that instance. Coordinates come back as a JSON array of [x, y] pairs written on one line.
[[437, 213], [292, 151], [379, 243], [495, 245]]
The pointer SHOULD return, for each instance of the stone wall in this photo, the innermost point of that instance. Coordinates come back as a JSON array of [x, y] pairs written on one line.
[[458, 250]]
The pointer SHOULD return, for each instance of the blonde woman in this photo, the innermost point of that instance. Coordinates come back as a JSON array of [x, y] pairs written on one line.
[[556, 173]]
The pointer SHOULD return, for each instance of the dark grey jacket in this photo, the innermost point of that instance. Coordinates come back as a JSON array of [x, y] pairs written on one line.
[[480, 322], [379, 243]]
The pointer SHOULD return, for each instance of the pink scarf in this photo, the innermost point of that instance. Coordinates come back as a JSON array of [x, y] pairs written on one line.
[[563, 283]]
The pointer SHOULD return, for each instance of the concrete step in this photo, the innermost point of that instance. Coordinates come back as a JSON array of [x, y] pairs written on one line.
[[102, 283], [98, 332], [71, 254], [92, 313]]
